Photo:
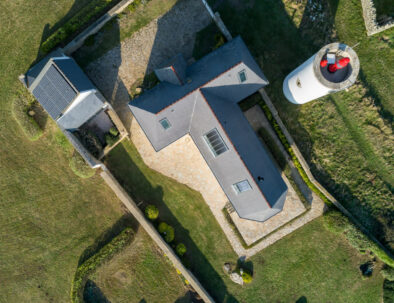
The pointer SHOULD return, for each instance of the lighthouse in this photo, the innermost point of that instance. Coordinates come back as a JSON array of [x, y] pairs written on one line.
[[333, 68]]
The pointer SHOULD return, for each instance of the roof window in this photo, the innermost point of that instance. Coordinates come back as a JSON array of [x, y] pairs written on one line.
[[242, 186], [242, 76], [165, 123], [215, 142]]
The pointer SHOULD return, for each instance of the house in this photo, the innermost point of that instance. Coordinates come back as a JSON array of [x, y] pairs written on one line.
[[202, 100], [70, 99]]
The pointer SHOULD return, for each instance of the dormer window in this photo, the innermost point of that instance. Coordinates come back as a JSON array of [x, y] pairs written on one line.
[[242, 76], [165, 123], [242, 186]]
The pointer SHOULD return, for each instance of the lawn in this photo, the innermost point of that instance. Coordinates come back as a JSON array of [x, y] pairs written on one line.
[[48, 216], [140, 272], [347, 137], [311, 262]]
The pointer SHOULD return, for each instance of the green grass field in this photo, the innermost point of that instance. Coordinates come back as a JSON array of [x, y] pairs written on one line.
[[311, 262], [347, 137], [140, 272]]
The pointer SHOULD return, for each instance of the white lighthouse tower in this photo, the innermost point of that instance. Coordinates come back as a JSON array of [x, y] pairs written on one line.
[[314, 78]]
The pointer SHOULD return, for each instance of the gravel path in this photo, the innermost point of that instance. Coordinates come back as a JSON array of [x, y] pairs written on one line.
[[163, 38]]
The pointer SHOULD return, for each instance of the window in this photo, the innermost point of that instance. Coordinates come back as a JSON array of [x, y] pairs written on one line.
[[215, 142], [242, 76], [165, 123], [242, 186]]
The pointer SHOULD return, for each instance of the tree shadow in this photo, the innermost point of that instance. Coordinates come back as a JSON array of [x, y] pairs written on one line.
[[127, 220], [93, 294], [302, 300]]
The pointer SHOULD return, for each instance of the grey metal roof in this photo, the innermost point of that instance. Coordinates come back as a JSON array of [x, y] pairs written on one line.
[[54, 92], [210, 101], [81, 112]]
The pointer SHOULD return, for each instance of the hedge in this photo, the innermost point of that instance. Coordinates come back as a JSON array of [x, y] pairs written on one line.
[[29, 126], [79, 166], [91, 264], [75, 24], [337, 223]]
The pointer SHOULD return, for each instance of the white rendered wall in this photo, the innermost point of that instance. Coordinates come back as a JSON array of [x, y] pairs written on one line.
[[310, 87]]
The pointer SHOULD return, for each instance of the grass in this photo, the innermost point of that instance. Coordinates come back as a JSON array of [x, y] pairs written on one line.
[[140, 272], [79, 166], [319, 265], [48, 216], [121, 28], [347, 137]]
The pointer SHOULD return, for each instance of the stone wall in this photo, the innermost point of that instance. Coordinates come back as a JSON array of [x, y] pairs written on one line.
[[370, 18]]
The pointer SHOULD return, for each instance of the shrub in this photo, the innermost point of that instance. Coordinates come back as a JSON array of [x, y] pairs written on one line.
[[113, 131], [167, 231], [151, 212], [335, 222], [162, 227], [169, 234], [247, 277], [133, 6], [181, 249], [388, 273], [29, 126], [367, 269], [91, 264], [80, 167], [388, 291], [75, 24], [110, 140]]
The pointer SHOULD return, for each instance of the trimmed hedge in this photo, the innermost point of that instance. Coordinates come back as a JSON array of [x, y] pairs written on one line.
[[79, 166], [181, 249], [29, 126], [247, 277], [91, 264], [167, 231], [151, 212], [75, 24], [338, 223]]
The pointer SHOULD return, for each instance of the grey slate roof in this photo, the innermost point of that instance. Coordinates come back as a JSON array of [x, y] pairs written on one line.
[[209, 100]]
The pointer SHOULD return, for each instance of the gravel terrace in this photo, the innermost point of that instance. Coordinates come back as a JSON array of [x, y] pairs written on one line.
[[163, 38]]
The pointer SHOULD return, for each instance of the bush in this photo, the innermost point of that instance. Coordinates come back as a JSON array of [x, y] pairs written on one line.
[[91, 264], [388, 291], [110, 140], [80, 167], [335, 222], [167, 231], [151, 212], [75, 24], [181, 249], [367, 269], [113, 131], [247, 277], [29, 126], [162, 227], [388, 273], [134, 5]]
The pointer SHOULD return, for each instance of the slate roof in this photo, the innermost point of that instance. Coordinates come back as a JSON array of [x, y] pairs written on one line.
[[209, 100], [56, 81]]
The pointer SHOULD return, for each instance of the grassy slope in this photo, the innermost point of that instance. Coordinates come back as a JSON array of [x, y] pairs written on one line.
[[48, 216], [140, 272], [310, 262], [347, 138]]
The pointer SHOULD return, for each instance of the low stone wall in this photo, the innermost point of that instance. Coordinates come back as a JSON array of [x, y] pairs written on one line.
[[370, 18]]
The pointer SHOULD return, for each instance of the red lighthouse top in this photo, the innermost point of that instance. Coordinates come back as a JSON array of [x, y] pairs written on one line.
[[339, 64]]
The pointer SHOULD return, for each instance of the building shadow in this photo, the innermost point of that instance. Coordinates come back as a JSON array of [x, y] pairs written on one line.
[[133, 180]]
